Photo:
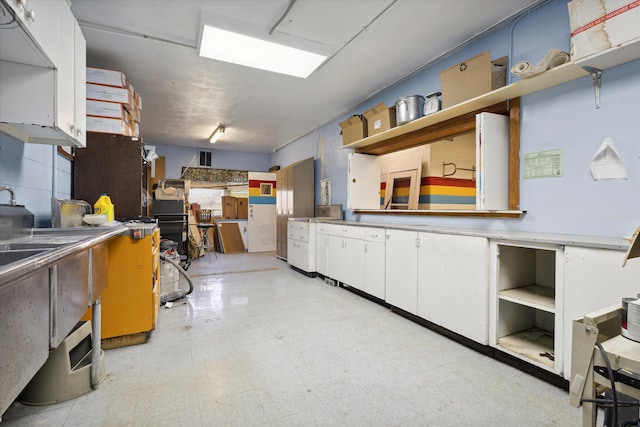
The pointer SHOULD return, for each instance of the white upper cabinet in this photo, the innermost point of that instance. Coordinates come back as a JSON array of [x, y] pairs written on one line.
[[46, 105], [28, 40]]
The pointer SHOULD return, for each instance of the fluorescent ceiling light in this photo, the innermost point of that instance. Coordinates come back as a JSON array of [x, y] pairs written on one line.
[[255, 51], [216, 134]]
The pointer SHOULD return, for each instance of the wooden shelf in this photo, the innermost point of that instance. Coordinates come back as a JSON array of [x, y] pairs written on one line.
[[494, 101], [465, 213], [530, 343], [535, 296]]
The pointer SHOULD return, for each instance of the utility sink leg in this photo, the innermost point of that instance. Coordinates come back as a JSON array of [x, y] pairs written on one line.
[[96, 324]]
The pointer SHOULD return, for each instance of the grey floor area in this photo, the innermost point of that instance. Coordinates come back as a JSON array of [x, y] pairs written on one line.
[[259, 344]]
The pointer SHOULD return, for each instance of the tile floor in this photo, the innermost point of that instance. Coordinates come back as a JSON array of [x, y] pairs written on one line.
[[259, 344]]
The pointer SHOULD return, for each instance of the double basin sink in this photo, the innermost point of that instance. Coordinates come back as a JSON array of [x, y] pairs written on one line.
[[48, 280]]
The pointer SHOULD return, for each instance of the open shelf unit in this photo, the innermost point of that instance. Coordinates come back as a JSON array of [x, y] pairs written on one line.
[[526, 314]]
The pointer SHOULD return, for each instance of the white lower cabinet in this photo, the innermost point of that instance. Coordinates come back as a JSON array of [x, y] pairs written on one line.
[[346, 252], [527, 301], [401, 275], [355, 256], [322, 249], [301, 245], [374, 262], [453, 278], [594, 279]]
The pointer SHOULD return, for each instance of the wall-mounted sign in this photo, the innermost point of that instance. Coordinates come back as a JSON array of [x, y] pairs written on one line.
[[543, 164]]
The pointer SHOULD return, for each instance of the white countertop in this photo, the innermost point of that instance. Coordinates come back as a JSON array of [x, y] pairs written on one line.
[[602, 242]]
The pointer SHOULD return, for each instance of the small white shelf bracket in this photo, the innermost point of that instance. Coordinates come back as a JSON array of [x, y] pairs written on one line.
[[596, 75]]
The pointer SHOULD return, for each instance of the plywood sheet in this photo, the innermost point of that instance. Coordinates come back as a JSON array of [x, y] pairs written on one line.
[[231, 238]]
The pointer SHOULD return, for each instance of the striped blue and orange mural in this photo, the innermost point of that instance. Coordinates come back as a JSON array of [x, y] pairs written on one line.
[[435, 193], [262, 192]]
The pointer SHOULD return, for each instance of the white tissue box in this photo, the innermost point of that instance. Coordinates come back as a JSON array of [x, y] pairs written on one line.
[[597, 26]]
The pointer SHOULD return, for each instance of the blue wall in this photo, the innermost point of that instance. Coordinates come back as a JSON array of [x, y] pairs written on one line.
[[36, 173], [563, 118], [178, 157]]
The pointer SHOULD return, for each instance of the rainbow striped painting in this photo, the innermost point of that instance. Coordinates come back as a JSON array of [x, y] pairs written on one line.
[[435, 193]]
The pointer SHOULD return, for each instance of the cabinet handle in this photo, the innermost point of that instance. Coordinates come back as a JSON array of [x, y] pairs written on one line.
[[374, 235]]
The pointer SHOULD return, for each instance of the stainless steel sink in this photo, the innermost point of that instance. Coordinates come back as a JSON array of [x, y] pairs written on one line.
[[48, 280], [21, 246], [10, 256]]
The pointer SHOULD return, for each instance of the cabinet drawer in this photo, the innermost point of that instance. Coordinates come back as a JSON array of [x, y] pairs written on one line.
[[373, 234], [298, 230], [321, 228], [352, 232]]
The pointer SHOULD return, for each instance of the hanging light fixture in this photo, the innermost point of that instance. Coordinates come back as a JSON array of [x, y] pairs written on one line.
[[216, 134]]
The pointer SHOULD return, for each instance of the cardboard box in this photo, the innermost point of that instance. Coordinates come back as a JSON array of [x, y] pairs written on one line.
[[106, 77], [353, 129], [472, 77], [105, 109], [598, 26], [108, 93], [108, 125], [380, 118]]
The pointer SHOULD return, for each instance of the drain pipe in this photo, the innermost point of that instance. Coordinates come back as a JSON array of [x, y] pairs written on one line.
[[96, 324], [180, 293]]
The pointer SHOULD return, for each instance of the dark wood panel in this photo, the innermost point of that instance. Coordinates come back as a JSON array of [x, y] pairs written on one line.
[[111, 164]]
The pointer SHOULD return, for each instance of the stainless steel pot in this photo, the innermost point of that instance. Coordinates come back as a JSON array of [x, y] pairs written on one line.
[[409, 108]]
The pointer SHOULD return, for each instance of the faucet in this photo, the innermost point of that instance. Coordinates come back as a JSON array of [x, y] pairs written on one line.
[[13, 194]]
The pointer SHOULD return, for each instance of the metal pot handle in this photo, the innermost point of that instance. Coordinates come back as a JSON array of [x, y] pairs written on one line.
[[402, 101]]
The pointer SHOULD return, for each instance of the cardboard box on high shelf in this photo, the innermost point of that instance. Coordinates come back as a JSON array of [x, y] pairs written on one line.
[[353, 129], [598, 26], [105, 109], [472, 77], [102, 76], [108, 125], [108, 93], [380, 118]]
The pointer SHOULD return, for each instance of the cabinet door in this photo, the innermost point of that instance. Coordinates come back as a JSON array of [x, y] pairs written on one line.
[[336, 261], [363, 181], [492, 161], [353, 271], [65, 84], [374, 269], [80, 87], [322, 253], [594, 279], [42, 27], [453, 277], [401, 270], [298, 254]]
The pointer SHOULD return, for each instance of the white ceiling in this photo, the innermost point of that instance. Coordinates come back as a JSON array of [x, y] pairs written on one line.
[[374, 43]]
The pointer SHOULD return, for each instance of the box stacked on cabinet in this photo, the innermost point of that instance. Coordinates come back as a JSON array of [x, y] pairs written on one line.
[[113, 105]]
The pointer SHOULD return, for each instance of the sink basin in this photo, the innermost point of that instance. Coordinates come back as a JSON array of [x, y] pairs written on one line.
[[9, 256], [13, 246]]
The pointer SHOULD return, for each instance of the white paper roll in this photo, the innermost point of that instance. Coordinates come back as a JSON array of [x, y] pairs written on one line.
[[553, 58]]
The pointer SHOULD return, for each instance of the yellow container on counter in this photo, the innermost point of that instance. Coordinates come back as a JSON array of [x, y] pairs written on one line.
[[105, 207]]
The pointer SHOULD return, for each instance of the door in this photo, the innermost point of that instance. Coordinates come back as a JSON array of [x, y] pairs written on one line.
[[363, 185], [492, 162], [261, 224], [261, 228]]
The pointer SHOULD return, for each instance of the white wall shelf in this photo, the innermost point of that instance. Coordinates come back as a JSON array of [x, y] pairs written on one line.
[[553, 77]]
